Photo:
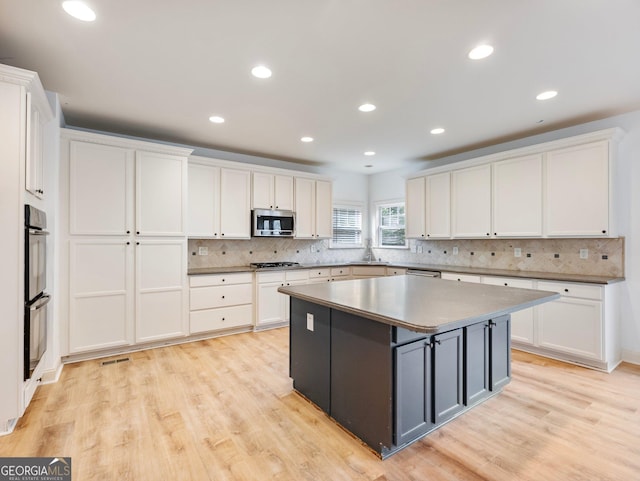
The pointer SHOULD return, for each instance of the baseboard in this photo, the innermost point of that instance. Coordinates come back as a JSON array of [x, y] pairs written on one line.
[[632, 357], [51, 376]]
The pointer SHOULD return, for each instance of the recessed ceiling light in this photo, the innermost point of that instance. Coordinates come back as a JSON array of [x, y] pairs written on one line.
[[261, 71], [216, 119], [437, 130], [367, 108], [306, 139], [481, 51], [79, 10], [549, 94], [369, 153]]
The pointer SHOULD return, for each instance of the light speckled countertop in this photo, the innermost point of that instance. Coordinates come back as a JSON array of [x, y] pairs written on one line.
[[420, 304], [550, 276]]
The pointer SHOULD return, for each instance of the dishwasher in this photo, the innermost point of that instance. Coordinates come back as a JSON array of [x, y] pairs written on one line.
[[419, 272]]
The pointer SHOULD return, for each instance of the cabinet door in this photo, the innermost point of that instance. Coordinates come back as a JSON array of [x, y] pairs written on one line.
[[34, 175], [438, 205], [305, 194], [471, 202], [283, 195], [577, 191], [204, 201], [235, 204], [324, 210], [161, 194], [263, 191], [271, 306], [161, 289], [415, 208], [522, 322], [499, 352], [517, 197], [476, 383], [100, 294], [447, 375], [100, 189], [413, 408], [572, 326]]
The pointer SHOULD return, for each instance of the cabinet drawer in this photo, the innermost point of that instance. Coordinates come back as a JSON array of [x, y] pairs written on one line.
[[508, 281], [585, 291], [222, 318], [396, 271], [322, 272], [369, 271], [262, 277], [221, 279], [220, 296], [454, 276], [297, 275], [340, 271]]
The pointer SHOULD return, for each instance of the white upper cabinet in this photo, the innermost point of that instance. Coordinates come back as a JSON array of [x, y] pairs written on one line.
[[415, 208], [272, 191], [438, 205], [100, 189], [103, 199], [161, 194], [235, 204], [577, 191], [517, 197], [219, 202], [471, 202], [314, 208], [34, 174], [204, 201]]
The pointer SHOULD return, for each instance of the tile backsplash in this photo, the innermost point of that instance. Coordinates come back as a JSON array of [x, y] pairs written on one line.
[[605, 256]]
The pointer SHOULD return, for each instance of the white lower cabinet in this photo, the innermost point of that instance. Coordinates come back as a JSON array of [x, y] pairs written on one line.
[[522, 322], [361, 272], [220, 301], [455, 276], [124, 292], [272, 307]]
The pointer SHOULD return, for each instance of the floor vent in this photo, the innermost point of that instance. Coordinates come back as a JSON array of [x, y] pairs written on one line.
[[114, 361]]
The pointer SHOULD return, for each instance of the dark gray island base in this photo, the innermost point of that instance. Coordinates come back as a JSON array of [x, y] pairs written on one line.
[[391, 383]]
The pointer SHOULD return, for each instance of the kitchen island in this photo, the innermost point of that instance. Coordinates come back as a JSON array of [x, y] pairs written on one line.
[[393, 358]]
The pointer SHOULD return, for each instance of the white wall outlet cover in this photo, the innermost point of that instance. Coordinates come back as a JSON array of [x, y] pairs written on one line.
[[414, 249], [419, 249], [517, 252], [203, 251], [455, 251], [584, 253], [309, 321]]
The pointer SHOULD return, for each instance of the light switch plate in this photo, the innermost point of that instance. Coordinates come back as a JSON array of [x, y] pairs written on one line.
[[584, 253], [309, 321], [455, 251], [420, 250], [517, 252], [203, 251]]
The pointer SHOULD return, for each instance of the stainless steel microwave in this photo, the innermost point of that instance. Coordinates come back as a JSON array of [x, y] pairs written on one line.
[[272, 223]]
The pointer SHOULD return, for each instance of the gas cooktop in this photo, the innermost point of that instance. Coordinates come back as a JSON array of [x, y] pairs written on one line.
[[264, 265]]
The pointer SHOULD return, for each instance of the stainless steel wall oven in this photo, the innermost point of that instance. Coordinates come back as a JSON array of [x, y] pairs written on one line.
[[35, 284]]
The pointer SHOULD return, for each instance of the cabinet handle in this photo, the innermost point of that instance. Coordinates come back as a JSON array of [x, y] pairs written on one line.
[[438, 341]]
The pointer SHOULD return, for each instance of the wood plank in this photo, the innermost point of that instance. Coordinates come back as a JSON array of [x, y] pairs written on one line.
[[224, 409]]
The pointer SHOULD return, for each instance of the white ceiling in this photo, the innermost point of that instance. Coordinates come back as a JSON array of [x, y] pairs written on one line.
[[159, 69]]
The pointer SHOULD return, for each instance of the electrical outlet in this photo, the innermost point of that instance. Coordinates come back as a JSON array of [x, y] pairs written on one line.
[[420, 250], [584, 253], [203, 251], [312, 249], [517, 252], [309, 321], [413, 248], [455, 251]]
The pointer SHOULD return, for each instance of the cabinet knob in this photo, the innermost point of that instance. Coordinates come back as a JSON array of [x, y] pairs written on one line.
[[128, 242], [604, 231], [137, 243], [223, 318], [222, 233], [128, 232], [223, 297], [495, 233], [506, 284], [138, 232], [223, 280], [488, 233], [566, 290]]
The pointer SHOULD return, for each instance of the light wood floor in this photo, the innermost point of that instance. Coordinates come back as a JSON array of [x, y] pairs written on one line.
[[223, 409]]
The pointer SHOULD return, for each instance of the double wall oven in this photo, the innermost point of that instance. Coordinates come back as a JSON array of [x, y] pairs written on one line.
[[35, 284]]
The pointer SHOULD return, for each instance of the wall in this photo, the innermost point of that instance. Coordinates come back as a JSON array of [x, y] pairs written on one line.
[[627, 181]]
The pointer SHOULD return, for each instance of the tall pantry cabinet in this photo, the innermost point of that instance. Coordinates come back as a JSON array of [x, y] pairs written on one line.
[[127, 242]]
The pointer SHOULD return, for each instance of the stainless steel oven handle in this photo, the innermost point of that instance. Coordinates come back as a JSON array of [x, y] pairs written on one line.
[[45, 300], [38, 232]]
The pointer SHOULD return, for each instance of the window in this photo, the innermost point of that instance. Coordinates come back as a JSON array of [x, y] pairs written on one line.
[[347, 226], [390, 222]]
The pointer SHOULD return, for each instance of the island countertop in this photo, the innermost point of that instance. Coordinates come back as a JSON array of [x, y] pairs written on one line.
[[420, 304]]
